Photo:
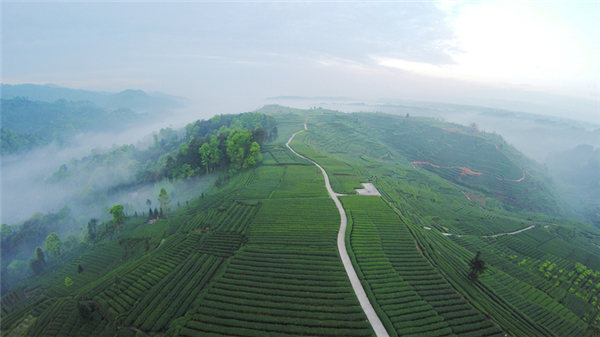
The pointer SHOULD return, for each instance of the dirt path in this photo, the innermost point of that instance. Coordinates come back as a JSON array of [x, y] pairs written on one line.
[[468, 171], [341, 241], [511, 233]]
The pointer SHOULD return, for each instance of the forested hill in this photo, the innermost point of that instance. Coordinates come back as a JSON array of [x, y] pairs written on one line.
[[224, 142], [29, 124], [465, 239]]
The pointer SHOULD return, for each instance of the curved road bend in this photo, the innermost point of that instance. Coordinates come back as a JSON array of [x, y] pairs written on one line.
[[356, 285]]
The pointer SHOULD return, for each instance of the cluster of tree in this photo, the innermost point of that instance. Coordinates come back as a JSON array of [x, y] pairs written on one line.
[[20, 241], [28, 124], [223, 142]]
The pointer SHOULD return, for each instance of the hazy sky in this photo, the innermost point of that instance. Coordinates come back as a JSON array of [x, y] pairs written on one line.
[[546, 53]]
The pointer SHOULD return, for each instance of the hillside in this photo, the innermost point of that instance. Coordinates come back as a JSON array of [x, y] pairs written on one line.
[[257, 253]]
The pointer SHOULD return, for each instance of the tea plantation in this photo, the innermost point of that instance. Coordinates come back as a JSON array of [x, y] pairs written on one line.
[[257, 255]]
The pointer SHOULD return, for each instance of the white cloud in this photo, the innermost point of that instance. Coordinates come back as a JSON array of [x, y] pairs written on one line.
[[514, 44]]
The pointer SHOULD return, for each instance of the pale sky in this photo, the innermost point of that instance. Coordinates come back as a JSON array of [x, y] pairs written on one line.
[[546, 53]]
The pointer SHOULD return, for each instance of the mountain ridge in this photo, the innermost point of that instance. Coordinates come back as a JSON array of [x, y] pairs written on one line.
[[130, 98]]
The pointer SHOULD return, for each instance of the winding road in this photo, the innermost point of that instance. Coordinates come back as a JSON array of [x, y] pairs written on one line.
[[356, 285]]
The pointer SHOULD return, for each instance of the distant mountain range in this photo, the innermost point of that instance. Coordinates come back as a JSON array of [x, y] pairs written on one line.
[[132, 99]]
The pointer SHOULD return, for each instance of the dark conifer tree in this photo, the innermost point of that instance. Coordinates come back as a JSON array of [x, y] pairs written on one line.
[[477, 266], [39, 255]]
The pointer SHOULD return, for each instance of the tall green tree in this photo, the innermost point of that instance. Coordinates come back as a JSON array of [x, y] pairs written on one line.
[[53, 244], [238, 144], [118, 216], [254, 156], [163, 199], [210, 154]]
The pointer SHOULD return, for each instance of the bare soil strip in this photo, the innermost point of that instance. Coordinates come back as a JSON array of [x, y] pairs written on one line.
[[464, 170]]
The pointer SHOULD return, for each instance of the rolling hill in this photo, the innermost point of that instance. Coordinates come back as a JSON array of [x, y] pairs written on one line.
[[258, 253]]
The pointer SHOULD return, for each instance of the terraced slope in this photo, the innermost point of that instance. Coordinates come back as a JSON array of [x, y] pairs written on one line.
[[258, 255], [449, 225], [412, 293], [288, 279]]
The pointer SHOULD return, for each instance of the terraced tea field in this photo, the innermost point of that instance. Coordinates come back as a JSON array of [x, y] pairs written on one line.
[[260, 254], [427, 206]]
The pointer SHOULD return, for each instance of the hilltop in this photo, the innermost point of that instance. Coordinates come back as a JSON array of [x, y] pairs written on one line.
[[257, 252]]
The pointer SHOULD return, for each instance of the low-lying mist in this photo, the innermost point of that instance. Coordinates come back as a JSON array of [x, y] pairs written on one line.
[[24, 191]]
